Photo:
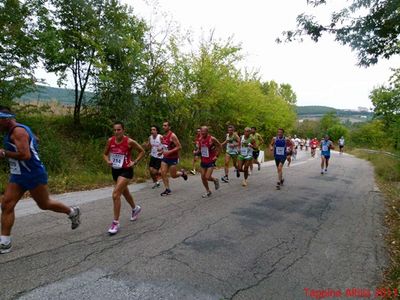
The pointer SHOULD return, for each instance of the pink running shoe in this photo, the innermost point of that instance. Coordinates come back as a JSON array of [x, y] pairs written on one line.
[[135, 213], [113, 228]]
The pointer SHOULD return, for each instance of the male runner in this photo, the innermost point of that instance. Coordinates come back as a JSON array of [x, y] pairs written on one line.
[[232, 143], [117, 155], [279, 145], [154, 144], [326, 146], [209, 148], [341, 144], [196, 152], [27, 174], [170, 151], [247, 143], [256, 151]]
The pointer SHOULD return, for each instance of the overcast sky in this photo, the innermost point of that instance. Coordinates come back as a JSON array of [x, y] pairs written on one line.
[[321, 74]]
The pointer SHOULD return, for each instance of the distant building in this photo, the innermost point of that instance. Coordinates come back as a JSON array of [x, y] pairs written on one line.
[[363, 109]]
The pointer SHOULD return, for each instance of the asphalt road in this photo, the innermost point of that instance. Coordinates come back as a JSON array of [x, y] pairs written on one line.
[[319, 232]]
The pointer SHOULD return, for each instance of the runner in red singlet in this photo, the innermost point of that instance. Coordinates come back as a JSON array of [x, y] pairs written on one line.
[[117, 154], [170, 151], [209, 148]]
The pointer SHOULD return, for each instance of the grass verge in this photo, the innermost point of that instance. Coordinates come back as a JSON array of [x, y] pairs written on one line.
[[387, 173]]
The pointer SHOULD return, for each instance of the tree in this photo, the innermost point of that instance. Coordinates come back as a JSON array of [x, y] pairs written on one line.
[[327, 121], [119, 73], [69, 35], [370, 27], [337, 131], [386, 101], [18, 51], [283, 90]]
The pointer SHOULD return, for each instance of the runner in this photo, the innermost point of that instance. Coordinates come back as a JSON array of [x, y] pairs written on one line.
[[302, 143], [154, 143], [294, 149], [209, 148], [232, 143], [279, 146], [307, 144], [118, 154], [247, 143], [341, 145], [314, 144], [326, 146], [256, 151], [27, 174], [170, 152], [196, 152], [289, 150]]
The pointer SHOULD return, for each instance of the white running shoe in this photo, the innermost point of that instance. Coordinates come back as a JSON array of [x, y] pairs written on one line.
[[114, 228], [135, 212], [206, 195]]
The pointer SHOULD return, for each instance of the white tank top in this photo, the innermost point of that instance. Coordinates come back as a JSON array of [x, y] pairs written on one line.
[[155, 146]]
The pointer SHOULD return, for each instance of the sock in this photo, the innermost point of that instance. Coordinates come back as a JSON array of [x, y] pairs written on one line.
[[72, 212], [116, 221], [5, 239]]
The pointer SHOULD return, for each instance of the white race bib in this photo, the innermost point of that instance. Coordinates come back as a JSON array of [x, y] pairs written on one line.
[[15, 168], [154, 152], [204, 152], [117, 160], [324, 148], [244, 151], [280, 150]]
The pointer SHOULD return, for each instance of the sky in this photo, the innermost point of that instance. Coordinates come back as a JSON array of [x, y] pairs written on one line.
[[323, 73]]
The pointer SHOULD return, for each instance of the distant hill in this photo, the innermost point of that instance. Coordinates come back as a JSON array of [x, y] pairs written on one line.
[[314, 110], [48, 94]]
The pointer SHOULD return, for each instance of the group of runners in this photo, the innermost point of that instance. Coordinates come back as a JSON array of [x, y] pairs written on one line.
[[29, 174]]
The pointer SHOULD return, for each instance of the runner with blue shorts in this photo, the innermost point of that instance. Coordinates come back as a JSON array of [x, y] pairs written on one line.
[[27, 174], [326, 146], [279, 146]]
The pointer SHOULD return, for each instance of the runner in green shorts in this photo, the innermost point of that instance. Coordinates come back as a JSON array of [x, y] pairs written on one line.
[[247, 144], [232, 143], [256, 151]]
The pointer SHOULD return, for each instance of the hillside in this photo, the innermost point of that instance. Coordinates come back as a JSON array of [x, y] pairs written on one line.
[[49, 94]]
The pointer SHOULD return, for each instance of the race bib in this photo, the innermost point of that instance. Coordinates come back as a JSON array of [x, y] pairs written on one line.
[[117, 160], [204, 152], [324, 148], [280, 150], [15, 168], [154, 152], [244, 151]]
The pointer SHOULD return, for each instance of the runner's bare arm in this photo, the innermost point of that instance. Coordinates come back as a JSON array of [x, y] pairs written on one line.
[[218, 146], [135, 145], [107, 152], [20, 138], [178, 145]]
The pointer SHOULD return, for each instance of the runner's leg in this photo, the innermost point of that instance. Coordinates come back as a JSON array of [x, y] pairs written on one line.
[[11, 197], [204, 179], [41, 196], [120, 186], [164, 174]]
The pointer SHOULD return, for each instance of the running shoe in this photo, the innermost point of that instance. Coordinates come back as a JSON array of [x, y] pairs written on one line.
[[156, 185], [237, 173], [322, 172], [5, 248], [206, 195], [278, 185], [184, 175], [225, 179], [193, 172], [166, 192], [135, 212], [282, 181], [244, 182], [114, 228], [216, 183], [326, 170], [75, 217]]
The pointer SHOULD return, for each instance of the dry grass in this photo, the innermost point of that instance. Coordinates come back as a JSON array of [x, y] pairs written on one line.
[[387, 171]]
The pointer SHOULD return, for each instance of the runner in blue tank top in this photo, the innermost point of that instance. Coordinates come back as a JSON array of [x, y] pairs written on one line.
[[326, 146], [27, 174], [279, 145]]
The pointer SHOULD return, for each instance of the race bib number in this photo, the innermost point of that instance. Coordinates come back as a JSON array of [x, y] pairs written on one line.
[[154, 152], [117, 160], [324, 148], [15, 168], [244, 151], [204, 152], [280, 150]]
